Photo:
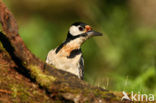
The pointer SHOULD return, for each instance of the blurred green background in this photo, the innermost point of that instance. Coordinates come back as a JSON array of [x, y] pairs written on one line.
[[123, 59]]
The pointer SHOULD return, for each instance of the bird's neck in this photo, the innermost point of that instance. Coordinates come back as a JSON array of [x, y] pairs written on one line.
[[76, 43], [68, 46]]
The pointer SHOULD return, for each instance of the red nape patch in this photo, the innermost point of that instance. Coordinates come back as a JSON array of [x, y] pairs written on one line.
[[88, 28]]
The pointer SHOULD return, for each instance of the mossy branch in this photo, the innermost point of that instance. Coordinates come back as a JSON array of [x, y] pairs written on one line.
[[59, 85]]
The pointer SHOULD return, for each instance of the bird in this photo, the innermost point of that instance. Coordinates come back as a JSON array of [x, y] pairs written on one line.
[[68, 55]]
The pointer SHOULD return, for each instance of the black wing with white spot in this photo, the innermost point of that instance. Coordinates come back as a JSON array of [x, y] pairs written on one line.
[[81, 68]]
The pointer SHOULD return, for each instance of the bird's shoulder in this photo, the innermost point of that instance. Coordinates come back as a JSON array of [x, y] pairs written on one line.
[[51, 53], [50, 56]]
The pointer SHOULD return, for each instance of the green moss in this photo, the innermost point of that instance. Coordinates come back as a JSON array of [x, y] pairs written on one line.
[[1, 46], [20, 91], [40, 77], [24, 62], [24, 96], [14, 91], [52, 66], [21, 88], [0, 27], [99, 94]]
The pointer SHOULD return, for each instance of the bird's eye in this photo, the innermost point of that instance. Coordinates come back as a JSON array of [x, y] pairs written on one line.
[[81, 28]]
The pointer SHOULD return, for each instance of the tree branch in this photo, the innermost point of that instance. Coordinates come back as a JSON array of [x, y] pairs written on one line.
[[58, 84]]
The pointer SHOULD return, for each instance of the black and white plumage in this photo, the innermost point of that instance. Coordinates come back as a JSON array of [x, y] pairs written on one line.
[[68, 56]]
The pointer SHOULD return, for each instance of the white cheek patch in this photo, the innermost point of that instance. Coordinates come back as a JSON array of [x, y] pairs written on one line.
[[74, 30]]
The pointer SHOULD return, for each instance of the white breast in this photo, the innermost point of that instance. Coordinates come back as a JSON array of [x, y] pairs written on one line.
[[62, 62]]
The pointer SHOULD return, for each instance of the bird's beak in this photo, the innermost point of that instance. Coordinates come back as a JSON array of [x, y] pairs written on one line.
[[94, 33]]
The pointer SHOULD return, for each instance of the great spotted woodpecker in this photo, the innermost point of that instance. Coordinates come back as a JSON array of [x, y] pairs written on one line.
[[68, 55]]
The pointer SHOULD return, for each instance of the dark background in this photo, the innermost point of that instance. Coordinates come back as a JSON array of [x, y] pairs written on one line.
[[123, 59]]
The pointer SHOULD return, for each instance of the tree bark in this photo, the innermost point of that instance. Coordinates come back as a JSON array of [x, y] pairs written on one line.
[[24, 78]]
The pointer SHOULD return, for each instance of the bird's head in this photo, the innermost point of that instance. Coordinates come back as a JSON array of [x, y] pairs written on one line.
[[81, 30], [77, 34]]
